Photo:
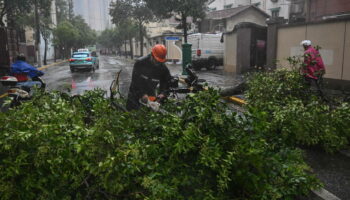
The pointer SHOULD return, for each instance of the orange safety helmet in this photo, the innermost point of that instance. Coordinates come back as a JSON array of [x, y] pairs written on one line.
[[159, 52]]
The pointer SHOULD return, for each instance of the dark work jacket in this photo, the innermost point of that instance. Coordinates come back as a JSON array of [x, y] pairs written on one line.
[[145, 78]]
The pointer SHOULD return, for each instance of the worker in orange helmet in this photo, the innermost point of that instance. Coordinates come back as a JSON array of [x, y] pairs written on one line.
[[148, 72]]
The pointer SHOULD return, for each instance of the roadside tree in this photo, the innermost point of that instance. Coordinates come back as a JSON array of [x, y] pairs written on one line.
[[184, 8], [106, 39], [134, 12], [87, 36], [10, 8], [65, 37], [20, 22], [62, 10]]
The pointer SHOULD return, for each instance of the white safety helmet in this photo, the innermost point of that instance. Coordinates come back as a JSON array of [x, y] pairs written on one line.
[[306, 43]]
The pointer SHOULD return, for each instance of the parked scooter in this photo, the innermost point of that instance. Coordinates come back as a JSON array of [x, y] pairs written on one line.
[[20, 91]]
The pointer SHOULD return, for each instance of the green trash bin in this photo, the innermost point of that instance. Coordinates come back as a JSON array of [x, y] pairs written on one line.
[[186, 56]]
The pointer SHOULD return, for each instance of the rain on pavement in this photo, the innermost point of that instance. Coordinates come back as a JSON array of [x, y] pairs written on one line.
[[62, 79]]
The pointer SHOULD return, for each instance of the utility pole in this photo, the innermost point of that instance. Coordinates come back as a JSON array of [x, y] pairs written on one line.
[[37, 33]]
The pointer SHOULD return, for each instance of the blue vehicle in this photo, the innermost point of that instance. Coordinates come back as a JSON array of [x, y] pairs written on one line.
[[84, 60]]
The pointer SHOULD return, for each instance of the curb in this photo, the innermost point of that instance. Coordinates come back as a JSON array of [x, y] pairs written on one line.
[[237, 100], [4, 95], [52, 64]]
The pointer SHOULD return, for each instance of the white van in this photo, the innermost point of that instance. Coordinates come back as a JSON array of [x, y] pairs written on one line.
[[207, 50]]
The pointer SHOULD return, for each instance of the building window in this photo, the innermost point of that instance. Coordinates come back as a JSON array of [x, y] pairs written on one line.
[[212, 9], [275, 12], [219, 27], [297, 8], [257, 4], [228, 6]]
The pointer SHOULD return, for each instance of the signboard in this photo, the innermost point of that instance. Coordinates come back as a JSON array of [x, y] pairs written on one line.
[[173, 38]]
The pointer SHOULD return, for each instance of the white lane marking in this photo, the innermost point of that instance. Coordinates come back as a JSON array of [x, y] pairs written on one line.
[[326, 195]]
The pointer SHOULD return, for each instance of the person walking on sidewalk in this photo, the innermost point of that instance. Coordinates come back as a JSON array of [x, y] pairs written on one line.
[[313, 67], [148, 72]]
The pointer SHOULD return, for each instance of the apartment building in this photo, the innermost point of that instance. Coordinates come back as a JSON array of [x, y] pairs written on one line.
[[318, 10], [94, 12], [275, 8]]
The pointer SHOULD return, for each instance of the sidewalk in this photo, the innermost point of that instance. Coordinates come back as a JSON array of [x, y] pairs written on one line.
[[51, 63]]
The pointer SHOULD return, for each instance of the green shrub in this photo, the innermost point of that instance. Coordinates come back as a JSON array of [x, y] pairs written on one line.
[[58, 147], [295, 114]]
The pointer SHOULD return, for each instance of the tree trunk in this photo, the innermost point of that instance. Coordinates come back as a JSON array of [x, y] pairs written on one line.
[[66, 49], [62, 52], [131, 48], [184, 24], [37, 27], [55, 53], [141, 39], [126, 50], [45, 52]]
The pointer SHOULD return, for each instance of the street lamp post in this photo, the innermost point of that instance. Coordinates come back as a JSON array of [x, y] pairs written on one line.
[[186, 48], [186, 56]]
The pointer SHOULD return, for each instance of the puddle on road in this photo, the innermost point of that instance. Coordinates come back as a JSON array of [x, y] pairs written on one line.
[[115, 62]]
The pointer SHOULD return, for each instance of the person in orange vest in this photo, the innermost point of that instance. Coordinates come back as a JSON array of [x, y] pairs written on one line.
[[313, 66], [148, 72]]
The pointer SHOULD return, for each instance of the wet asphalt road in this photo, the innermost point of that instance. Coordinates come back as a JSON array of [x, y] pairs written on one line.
[[62, 79], [332, 169]]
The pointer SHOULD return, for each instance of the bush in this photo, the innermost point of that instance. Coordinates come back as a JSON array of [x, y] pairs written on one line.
[[295, 114], [58, 147]]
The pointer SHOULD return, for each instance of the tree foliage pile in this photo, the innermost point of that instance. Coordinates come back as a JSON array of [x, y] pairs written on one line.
[[61, 147]]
